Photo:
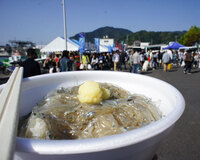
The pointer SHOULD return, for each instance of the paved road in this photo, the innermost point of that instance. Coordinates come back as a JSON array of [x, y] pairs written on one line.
[[183, 143]]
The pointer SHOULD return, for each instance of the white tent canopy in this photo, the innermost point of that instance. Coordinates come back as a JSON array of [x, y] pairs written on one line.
[[58, 45]]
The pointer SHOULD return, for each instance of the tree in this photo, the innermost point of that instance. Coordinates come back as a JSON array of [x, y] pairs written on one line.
[[191, 37]]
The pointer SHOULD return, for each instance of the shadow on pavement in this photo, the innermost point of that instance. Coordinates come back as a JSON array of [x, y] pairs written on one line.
[[195, 71], [146, 73], [173, 70]]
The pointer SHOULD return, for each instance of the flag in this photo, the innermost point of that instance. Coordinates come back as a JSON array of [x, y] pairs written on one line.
[[81, 42], [116, 47], [113, 47], [109, 49], [97, 42], [82, 35], [122, 45]]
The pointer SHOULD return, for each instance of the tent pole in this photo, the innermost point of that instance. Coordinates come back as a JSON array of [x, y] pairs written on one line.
[[64, 20]]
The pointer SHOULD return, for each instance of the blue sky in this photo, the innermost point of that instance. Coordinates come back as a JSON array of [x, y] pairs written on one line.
[[40, 21]]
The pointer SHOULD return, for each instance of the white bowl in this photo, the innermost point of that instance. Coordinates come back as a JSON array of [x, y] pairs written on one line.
[[138, 144]]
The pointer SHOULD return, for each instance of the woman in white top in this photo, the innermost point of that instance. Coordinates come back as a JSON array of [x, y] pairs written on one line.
[[94, 62]]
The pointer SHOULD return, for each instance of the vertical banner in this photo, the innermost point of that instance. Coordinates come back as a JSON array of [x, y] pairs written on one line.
[[116, 47], [82, 42], [122, 47], [109, 49], [113, 47], [97, 43]]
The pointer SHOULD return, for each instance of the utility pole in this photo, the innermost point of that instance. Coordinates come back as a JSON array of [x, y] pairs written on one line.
[[175, 38], [151, 41], [127, 39], [64, 20]]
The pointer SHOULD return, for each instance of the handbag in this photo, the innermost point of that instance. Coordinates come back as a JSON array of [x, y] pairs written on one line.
[[182, 64], [89, 66], [169, 66], [81, 66]]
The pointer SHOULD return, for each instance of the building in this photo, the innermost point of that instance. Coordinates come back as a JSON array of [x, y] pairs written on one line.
[[105, 41]]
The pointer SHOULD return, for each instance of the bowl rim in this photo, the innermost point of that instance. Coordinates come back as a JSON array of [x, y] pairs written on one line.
[[108, 142]]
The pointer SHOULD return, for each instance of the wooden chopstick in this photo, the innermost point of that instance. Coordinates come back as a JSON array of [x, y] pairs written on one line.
[[9, 114]]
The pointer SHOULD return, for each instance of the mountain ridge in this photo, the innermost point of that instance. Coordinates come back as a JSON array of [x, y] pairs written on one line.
[[111, 32], [121, 34]]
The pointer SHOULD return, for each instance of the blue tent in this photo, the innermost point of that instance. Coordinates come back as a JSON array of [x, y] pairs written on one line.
[[174, 45]]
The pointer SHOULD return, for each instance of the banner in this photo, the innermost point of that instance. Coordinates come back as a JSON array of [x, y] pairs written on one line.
[[109, 49], [122, 45], [82, 42], [116, 46], [97, 43]]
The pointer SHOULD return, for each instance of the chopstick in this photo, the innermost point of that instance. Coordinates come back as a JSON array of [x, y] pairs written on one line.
[[9, 114]]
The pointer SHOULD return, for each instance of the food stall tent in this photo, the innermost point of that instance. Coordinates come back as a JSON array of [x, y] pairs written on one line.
[[58, 45], [174, 45]]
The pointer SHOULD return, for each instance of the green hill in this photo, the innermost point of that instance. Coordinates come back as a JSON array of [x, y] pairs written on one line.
[[120, 34], [111, 32], [154, 37]]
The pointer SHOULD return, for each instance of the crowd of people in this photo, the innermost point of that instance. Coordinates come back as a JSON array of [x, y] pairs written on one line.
[[132, 61]]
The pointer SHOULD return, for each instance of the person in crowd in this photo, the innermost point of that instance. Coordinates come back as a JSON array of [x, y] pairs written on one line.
[[53, 67], [122, 60], [175, 58], [188, 62], [101, 61], [166, 58], [135, 61], [76, 61], [130, 58], [155, 57], [160, 59], [147, 54], [85, 61], [90, 57], [57, 59], [31, 67], [170, 52], [181, 56], [142, 58], [47, 62], [151, 59], [115, 59], [112, 62], [196, 59], [94, 62], [70, 64], [64, 61], [145, 65], [109, 60], [105, 65], [73, 61], [199, 58]]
